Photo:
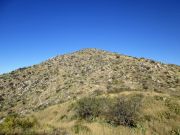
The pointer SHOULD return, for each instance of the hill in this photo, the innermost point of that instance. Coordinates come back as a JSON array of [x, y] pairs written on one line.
[[66, 79]]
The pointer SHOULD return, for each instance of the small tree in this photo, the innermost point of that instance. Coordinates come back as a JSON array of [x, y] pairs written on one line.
[[125, 112], [89, 108]]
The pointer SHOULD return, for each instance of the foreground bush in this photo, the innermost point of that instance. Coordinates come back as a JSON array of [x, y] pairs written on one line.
[[115, 111], [125, 112], [14, 124], [89, 108]]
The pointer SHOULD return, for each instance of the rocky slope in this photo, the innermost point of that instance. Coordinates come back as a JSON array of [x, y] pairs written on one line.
[[85, 72]]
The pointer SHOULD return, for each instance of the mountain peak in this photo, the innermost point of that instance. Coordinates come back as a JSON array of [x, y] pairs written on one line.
[[91, 50], [82, 73]]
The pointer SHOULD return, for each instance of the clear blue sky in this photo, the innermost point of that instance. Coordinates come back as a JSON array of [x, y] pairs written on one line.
[[34, 30]]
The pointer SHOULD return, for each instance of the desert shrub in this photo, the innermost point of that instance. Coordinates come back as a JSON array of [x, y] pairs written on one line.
[[13, 124], [89, 108], [26, 123], [173, 106], [22, 69], [125, 112], [118, 111]]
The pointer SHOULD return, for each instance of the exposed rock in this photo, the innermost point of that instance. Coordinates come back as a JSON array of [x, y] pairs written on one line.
[[81, 73]]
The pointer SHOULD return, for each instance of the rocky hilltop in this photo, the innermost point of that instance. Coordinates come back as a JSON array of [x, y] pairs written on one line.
[[82, 73]]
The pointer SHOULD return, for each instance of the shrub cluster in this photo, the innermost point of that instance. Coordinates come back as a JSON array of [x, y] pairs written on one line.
[[15, 124], [89, 108], [125, 112], [119, 111]]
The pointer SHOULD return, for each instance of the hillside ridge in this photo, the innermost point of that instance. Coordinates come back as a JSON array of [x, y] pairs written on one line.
[[81, 73]]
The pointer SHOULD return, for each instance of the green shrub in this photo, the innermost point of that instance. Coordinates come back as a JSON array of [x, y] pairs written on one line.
[[124, 112], [89, 108], [14, 123], [115, 111]]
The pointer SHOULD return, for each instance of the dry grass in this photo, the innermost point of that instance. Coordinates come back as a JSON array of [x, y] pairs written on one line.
[[47, 91], [154, 119]]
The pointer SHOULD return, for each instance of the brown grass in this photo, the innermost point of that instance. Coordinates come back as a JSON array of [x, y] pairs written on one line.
[[154, 119]]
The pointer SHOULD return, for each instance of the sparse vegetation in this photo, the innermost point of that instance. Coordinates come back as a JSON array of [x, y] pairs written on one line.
[[89, 108], [175, 132], [173, 106], [125, 111], [119, 111], [78, 128], [14, 124], [121, 92]]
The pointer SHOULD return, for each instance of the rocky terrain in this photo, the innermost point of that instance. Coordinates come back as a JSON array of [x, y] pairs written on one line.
[[88, 72]]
